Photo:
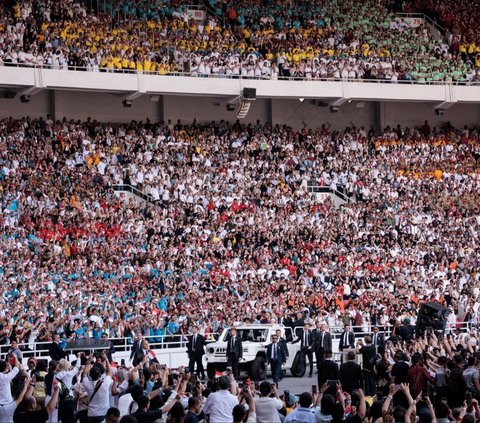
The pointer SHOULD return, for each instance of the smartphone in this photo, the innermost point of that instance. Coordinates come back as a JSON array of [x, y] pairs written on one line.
[[314, 389], [468, 397], [193, 378], [332, 382]]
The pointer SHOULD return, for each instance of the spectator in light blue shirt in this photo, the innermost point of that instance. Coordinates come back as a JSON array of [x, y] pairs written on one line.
[[303, 414]]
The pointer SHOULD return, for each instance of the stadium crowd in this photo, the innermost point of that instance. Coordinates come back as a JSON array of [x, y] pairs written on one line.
[[232, 232], [261, 39], [232, 235]]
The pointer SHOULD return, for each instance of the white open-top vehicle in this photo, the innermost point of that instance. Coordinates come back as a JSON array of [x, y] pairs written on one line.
[[255, 339]]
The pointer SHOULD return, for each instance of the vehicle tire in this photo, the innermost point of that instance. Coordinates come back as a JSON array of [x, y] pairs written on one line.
[[211, 370], [298, 365], [258, 369]]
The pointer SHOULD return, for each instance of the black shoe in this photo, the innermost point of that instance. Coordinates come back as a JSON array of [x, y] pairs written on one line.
[[309, 375]]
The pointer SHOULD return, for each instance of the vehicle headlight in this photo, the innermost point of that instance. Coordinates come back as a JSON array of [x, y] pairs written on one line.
[[210, 350]]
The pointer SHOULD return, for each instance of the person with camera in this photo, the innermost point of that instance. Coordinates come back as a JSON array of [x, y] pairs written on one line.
[[65, 374], [97, 382], [219, 405], [7, 410], [8, 371], [268, 407], [239, 412], [28, 412]]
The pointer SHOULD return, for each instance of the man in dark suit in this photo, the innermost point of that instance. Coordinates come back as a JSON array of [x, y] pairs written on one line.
[[351, 376], [276, 357], [368, 356], [136, 345], [406, 331], [55, 350], [234, 351], [142, 352], [327, 369], [299, 321], [347, 340], [195, 351], [282, 341], [378, 340], [323, 341], [284, 320], [307, 345]]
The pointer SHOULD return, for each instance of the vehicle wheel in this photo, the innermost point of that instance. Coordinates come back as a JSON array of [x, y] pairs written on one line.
[[298, 366], [258, 369], [211, 370]]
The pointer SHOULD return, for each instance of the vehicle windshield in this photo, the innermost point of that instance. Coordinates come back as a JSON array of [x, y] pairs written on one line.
[[251, 335]]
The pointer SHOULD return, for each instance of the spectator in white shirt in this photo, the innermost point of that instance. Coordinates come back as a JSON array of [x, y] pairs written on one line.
[[268, 408], [98, 389], [219, 405], [6, 376], [7, 410], [65, 372]]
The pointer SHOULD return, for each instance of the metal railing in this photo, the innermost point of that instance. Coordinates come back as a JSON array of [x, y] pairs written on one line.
[[340, 192], [239, 77], [212, 12], [135, 191], [163, 343], [157, 342], [423, 16]]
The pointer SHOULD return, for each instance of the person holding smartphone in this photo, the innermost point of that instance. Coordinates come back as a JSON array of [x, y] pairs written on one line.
[[7, 373], [239, 411], [266, 406], [27, 411]]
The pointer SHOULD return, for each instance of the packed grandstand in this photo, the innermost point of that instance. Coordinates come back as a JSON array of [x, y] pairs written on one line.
[[142, 236]]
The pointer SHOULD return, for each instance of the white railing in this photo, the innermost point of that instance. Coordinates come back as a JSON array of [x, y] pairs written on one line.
[[423, 16], [340, 192], [240, 77], [157, 342], [135, 191], [172, 345]]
